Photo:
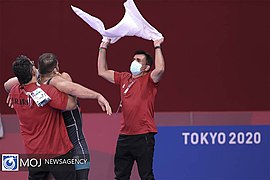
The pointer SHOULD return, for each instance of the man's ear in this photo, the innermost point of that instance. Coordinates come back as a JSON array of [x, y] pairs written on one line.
[[33, 71], [147, 68]]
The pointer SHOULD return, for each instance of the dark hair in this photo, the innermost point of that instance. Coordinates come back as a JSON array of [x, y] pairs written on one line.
[[47, 62], [149, 59], [22, 68]]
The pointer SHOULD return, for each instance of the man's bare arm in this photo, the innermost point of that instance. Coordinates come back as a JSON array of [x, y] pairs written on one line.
[[72, 88], [64, 75], [102, 63], [80, 91], [159, 62], [10, 83]]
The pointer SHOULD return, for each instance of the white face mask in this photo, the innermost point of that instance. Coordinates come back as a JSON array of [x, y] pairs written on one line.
[[135, 68]]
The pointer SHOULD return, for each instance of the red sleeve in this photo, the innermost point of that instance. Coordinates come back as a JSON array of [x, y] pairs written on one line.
[[58, 99], [117, 77]]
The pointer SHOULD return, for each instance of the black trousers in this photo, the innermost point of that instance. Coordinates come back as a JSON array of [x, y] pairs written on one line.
[[130, 148], [59, 171]]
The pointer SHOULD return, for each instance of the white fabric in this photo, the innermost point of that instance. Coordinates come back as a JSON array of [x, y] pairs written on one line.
[[132, 24]]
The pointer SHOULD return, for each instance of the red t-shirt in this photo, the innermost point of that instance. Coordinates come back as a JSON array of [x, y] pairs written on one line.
[[138, 96], [42, 128]]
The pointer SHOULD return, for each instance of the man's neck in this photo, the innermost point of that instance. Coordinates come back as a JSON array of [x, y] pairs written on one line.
[[33, 80], [46, 77]]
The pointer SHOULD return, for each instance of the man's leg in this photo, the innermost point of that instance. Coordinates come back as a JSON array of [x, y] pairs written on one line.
[[38, 173], [145, 154], [123, 159], [82, 174], [63, 171], [73, 122]]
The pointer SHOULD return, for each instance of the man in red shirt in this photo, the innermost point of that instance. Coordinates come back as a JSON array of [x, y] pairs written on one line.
[[41, 122], [138, 90]]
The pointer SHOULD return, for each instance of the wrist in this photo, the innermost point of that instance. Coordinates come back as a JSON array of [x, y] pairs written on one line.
[[157, 47], [101, 48], [103, 45]]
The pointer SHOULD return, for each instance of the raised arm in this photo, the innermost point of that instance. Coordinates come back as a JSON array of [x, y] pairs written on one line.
[[159, 62], [80, 91], [102, 63]]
